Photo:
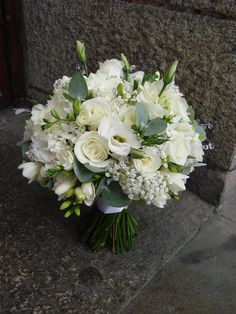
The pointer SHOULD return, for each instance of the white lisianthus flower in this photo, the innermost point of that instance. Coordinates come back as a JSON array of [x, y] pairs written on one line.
[[148, 165], [160, 199], [63, 184], [93, 149], [175, 181], [178, 149], [150, 92], [185, 128], [31, 170], [88, 190], [120, 137], [92, 111], [128, 115], [111, 68]]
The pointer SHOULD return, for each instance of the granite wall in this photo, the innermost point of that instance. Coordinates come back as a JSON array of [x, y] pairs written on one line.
[[152, 33]]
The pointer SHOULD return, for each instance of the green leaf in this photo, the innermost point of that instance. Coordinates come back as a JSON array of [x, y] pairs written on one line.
[[200, 130], [153, 140], [81, 172], [191, 114], [47, 184], [152, 77], [136, 84], [142, 115], [47, 125], [102, 186], [114, 196], [155, 126], [68, 97], [55, 114], [25, 146], [78, 87], [95, 169]]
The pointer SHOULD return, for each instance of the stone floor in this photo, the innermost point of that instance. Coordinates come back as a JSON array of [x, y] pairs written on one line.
[[45, 268], [201, 279]]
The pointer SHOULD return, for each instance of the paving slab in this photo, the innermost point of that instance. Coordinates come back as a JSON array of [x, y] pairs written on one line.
[[44, 266], [200, 280]]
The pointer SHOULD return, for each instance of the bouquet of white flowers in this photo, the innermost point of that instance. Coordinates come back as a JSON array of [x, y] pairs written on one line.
[[112, 137]]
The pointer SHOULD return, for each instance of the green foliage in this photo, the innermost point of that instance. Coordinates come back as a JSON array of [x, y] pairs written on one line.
[[155, 126], [191, 114], [200, 130], [153, 140], [81, 172], [55, 114], [78, 87], [114, 196], [48, 184], [142, 116], [25, 146], [126, 68], [137, 153], [152, 77], [52, 173]]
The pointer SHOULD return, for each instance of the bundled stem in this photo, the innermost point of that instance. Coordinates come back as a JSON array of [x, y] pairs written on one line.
[[118, 229]]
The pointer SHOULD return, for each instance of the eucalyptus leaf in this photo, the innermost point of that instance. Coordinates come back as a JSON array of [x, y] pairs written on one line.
[[200, 130], [81, 172], [155, 126], [102, 186], [114, 196], [78, 87], [25, 146], [142, 115]]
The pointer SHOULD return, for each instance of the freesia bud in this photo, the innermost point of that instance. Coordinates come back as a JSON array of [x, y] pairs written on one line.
[[77, 106], [80, 49], [80, 196], [137, 154], [169, 75], [65, 205], [126, 62]]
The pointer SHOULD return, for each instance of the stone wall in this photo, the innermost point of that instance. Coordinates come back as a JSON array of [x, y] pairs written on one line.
[[152, 33]]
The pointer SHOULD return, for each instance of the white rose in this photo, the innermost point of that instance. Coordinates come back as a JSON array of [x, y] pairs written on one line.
[[92, 111], [148, 165], [92, 148], [120, 137], [31, 170], [63, 184], [161, 199], [178, 149], [128, 115], [112, 68], [175, 181], [88, 190]]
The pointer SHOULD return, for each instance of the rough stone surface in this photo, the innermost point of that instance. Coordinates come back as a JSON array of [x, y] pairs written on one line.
[[227, 206], [200, 280], [44, 266], [207, 183], [151, 37], [219, 8]]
